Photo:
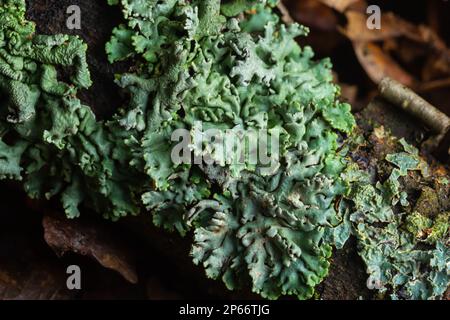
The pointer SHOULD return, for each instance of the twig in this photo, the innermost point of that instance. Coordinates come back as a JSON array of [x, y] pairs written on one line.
[[415, 105], [409, 101]]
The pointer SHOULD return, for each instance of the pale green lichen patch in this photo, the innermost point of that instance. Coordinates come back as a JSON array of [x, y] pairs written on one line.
[[229, 66], [427, 229], [406, 252], [50, 140], [237, 74]]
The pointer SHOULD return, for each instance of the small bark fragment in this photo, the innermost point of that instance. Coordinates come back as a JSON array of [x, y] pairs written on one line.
[[64, 235]]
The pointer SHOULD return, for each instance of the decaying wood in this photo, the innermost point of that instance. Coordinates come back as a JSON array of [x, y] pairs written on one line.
[[64, 235]]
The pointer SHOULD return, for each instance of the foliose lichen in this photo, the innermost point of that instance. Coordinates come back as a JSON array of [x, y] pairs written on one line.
[[406, 253], [200, 62], [49, 139], [231, 69], [223, 65]]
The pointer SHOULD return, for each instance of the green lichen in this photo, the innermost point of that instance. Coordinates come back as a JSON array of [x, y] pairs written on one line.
[[204, 65], [427, 229], [49, 139], [227, 66], [391, 239]]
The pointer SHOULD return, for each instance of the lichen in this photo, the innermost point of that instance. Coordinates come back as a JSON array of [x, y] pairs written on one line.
[[427, 229], [205, 65], [229, 66], [406, 252], [49, 139], [201, 65]]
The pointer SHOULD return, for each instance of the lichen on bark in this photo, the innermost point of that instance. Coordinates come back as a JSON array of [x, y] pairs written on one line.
[[229, 66]]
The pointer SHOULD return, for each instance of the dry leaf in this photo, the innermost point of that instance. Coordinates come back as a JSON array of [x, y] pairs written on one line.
[[285, 15], [314, 14], [379, 65], [427, 36], [26, 272], [434, 85], [391, 26], [339, 5], [64, 235], [436, 67], [39, 282]]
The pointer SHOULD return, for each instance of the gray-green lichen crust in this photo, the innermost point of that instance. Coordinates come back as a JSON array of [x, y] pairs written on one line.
[[406, 252], [49, 139], [201, 61], [230, 69], [226, 65]]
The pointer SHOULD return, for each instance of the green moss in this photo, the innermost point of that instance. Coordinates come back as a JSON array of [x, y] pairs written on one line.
[[428, 202]]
